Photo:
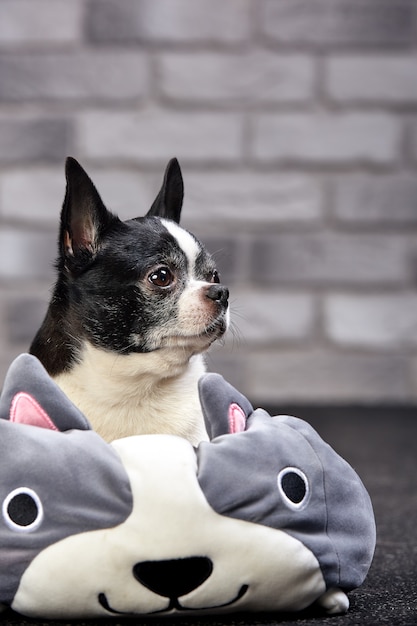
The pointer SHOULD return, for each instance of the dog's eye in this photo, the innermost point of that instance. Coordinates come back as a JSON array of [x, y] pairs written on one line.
[[22, 510], [214, 277], [162, 277]]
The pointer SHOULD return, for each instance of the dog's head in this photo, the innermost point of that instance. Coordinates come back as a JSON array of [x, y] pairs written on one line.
[[139, 285]]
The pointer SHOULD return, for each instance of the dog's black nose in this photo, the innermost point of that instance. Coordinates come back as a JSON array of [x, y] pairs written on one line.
[[173, 578], [218, 293]]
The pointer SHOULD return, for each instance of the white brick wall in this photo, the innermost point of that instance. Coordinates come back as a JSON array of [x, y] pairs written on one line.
[[31, 138], [25, 254], [148, 135], [356, 259], [217, 79], [76, 75], [252, 198], [327, 138], [373, 79], [327, 376], [295, 122], [339, 23], [180, 22], [376, 321], [289, 317], [28, 23], [376, 201]]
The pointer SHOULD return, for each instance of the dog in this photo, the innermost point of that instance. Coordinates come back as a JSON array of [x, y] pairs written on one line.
[[135, 306]]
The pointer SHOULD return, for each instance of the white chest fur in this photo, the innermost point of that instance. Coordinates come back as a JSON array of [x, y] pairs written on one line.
[[138, 393]]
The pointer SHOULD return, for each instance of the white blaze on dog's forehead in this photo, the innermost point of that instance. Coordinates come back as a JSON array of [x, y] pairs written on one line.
[[186, 242]]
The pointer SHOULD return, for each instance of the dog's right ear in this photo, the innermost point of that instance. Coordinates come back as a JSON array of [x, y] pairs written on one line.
[[168, 202], [84, 218]]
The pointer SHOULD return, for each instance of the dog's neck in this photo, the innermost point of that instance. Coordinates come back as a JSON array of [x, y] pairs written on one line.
[[125, 395]]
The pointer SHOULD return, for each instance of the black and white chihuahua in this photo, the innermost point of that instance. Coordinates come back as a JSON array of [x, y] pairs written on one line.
[[135, 306]]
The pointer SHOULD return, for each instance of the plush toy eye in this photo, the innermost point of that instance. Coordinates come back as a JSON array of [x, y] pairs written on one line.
[[22, 510], [293, 486]]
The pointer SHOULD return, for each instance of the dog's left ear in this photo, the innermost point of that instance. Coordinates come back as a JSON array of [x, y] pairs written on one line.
[[168, 202]]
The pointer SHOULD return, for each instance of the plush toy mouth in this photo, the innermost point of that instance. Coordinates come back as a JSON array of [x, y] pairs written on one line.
[[174, 604]]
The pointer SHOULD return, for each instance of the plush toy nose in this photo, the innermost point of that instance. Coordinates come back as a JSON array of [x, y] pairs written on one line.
[[218, 293], [173, 578]]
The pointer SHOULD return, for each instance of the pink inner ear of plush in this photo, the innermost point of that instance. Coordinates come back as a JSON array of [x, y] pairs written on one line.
[[26, 410], [237, 419]]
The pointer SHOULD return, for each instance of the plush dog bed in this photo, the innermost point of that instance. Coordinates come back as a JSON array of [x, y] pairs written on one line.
[[380, 443], [265, 516]]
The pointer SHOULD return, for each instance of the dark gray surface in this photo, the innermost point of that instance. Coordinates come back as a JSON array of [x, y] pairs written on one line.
[[381, 444]]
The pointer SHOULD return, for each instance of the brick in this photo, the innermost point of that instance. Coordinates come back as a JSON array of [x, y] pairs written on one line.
[[378, 321], [413, 375], [265, 317], [171, 21], [23, 317], [238, 79], [229, 364], [364, 79], [413, 133], [28, 22], [22, 306], [37, 194], [364, 199], [127, 193], [154, 135], [326, 138], [25, 140], [315, 258], [225, 251], [7, 355], [347, 23], [251, 198], [26, 255], [321, 377], [32, 195], [109, 76]]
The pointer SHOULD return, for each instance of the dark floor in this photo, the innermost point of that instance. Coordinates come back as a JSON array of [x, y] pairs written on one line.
[[382, 446]]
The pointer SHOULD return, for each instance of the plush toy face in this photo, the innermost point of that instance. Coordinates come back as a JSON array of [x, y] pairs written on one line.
[[148, 525], [173, 553]]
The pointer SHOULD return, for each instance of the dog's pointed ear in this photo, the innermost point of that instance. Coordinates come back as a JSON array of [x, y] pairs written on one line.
[[84, 217], [168, 202]]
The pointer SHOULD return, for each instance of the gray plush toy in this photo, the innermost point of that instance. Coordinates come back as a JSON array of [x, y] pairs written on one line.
[[264, 517]]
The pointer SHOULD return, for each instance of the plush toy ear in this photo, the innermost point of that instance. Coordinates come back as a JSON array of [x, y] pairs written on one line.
[[30, 396], [225, 409], [25, 410]]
